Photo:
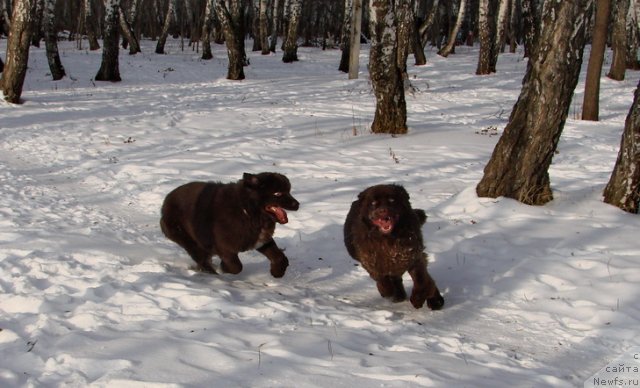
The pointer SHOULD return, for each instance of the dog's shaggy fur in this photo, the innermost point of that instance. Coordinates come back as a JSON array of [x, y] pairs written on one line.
[[384, 234], [223, 219]]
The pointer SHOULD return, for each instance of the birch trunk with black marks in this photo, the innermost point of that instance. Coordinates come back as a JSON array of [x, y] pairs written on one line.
[[519, 165], [51, 40], [386, 77], [15, 69], [291, 40], [110, 68]]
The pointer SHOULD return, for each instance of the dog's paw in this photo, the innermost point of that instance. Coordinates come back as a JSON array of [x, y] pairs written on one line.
[[436, 302]]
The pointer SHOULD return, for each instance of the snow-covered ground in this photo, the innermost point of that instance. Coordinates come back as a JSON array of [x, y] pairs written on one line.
[[92, 293]]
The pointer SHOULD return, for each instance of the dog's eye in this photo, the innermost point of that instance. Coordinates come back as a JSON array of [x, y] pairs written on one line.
[[277, 194], [392, 200], [374, 203]]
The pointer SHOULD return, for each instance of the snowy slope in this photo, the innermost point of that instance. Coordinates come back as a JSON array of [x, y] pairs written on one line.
[[91, 293]]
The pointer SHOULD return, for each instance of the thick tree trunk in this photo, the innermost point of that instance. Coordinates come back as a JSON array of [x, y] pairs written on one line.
[[619, 40], [291, 41], [51, 40], [519, 165], [404, 25], [110, 69], [530, 26], [386, 77], [345, 37], [15, 70], [232, 36], [623, 189], [591, 99], [170, 15], [633, 38], [451, 40]]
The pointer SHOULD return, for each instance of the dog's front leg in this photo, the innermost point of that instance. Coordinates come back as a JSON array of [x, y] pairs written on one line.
[[279, 261], [424, 287]]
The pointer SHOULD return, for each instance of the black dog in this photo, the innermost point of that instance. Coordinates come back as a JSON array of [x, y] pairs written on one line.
[[211, 218], [384, 234]]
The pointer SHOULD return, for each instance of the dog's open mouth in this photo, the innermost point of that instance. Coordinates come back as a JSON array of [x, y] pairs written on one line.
[[384, 224], [278, 213]]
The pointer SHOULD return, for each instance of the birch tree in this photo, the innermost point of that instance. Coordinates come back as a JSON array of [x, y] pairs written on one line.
[[619, 40], [233, 36], [168, 18], [451, 40], [386, 77], [51, 40], [345, 37], [623, 189], [486, 33], [264, 27], [591, 98], [207, 27], [291, 41], [519, 165], [110, 68], [90, 25], [15, 70]]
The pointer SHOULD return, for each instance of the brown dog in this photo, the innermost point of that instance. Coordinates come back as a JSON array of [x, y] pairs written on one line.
[[212, 218], [384, 234]]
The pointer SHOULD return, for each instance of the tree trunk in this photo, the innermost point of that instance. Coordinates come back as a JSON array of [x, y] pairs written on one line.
[[354, 39], [162, 40], [386, 77], [519, 165], [633, 38], [530, 26], [623, 189], [127, 31], [451, 40], [232, 37], [264, 28], [109, 69], [346, 36], [619, 40], [291, 41], [15, 70], [206, 31], [90, 25], [274, 28], [591, 103], [487, 34], [1, 68], [51, 40]]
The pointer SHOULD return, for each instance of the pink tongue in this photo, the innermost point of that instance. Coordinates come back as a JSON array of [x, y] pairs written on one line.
[[280, 214], [384, 224]]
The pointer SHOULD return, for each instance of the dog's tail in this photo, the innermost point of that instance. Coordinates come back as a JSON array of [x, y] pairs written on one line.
[[422, 216]]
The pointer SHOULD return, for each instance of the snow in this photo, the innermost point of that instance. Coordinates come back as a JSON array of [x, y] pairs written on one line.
[[91, 293]]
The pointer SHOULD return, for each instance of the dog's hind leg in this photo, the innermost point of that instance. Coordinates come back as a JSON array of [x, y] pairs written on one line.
[[201, 256], [424, 288], [230, 263], [279, 261]]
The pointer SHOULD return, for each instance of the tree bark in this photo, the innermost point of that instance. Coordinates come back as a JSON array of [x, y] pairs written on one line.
[[386, 77], [206, 31], [170, 15], [591, 103], [232, 36], [519, 165], [51, 40], [291, 41], [619, 40], [90, 25], [15, 70], [487, 34], [264, 28], [354, 39], [345, 37], [623, 189], [451, 41], [129, 34], [274, 29], [110, 69]]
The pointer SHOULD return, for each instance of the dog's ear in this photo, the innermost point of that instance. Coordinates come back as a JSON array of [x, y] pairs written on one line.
[[250, 180], [402, 193], [363, 194]]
